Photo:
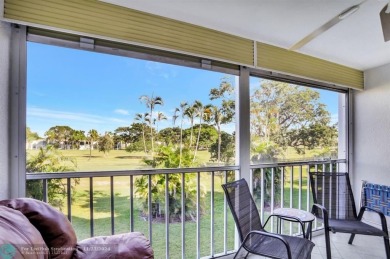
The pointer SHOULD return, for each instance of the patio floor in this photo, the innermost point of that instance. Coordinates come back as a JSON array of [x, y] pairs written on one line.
[[364, 247]]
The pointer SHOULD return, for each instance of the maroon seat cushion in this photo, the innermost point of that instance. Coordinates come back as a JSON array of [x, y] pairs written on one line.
[[54, 227], [18, 237], [132, 245]]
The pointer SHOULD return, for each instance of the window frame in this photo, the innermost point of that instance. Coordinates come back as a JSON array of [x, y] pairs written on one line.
[[21, 35], [346, 128]]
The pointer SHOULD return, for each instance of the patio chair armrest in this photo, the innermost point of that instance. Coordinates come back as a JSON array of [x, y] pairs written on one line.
[[270, 235], [380, 214], [323, 210], [324, 214], [363, 208], [269, 217], [289, 218]]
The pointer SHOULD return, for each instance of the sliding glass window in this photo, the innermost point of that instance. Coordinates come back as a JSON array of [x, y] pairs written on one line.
[[291, 122], [105, 112]]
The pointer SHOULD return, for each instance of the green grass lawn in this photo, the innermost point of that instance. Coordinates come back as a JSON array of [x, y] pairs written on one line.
[[114, 160], [102, 221], [121, 160], [102, 214]]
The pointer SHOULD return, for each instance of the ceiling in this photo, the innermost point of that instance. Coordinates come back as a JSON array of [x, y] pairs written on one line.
[[356, 41]]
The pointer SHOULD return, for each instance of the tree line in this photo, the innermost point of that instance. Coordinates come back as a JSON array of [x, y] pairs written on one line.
[[282, 116], [144, 135]]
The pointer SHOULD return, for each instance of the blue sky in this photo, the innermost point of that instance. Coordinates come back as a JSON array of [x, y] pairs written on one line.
[[87, 90]]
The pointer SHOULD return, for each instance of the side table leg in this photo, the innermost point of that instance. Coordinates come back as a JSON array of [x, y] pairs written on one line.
[[304, 232], [309, 232]]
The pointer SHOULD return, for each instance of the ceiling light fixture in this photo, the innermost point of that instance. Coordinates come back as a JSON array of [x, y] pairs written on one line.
[[326, 26], [385, 21], [388, 8], [348, 12]]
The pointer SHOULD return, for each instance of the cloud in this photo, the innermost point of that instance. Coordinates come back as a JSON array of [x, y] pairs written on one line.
[[71, 116], [122, 111], [118, 120], [158, 69]]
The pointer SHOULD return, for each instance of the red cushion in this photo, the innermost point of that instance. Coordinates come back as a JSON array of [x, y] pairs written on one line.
[[132, 245], [18, 237], [54, 227]]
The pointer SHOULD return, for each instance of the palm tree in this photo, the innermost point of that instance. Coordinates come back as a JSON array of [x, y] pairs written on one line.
[[221, 115], [175, 116], [92, 135], [151, 103], [215, 117], [183, 106], [225, 112], [143, 118], [160, 117], [202, 112], [191, 113]]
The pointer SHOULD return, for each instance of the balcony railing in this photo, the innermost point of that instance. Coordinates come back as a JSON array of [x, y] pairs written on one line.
[[287, 185], [191, 222]]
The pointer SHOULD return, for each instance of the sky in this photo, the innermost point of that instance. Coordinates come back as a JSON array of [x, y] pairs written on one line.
[[87, 90]]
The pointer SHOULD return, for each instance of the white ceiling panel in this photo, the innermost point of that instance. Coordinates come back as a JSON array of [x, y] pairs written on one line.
[[356, 41]]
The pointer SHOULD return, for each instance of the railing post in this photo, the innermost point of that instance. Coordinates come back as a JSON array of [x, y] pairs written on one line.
[[112, 205], [131, 204], [291, 192], [225, 217], [183, 216], [300, 192], [198, 215], [272, 195], [212, 214], [150, 216], [282, 169], [167, 216], [69, 198], [45, 190], [91, 220], [262, 187], [308, 193]]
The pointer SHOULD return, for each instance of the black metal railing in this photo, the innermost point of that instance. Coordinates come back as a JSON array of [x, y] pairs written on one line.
[[287, 185], [201, 214], [210, 232]]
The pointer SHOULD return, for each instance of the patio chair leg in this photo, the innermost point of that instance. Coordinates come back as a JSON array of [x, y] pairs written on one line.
[[235, 256], [238, 252], [327, 242], [351, 239], [387, 247]]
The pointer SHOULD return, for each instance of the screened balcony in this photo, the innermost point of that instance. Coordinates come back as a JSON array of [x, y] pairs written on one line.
[[350, 59]]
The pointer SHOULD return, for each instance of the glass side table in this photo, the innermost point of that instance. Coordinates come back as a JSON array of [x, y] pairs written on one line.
[[295, 215]]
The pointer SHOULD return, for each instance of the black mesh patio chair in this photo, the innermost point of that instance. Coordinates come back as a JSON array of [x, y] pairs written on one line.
[[335, 206], [255, 239]]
